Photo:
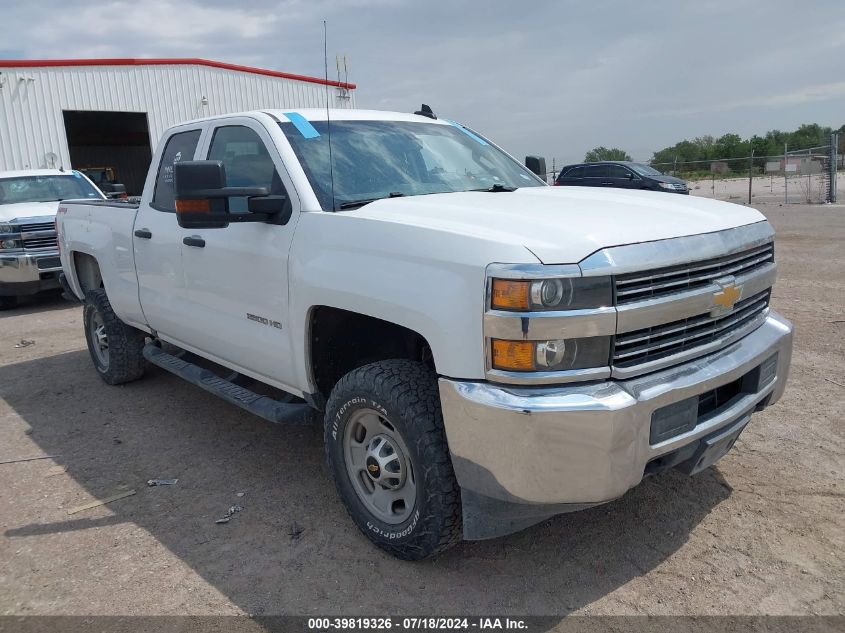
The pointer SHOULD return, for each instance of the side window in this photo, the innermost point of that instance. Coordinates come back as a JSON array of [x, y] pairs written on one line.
[[247, 162], [618, 171], [595, 171], [575, 172], [179, 147]]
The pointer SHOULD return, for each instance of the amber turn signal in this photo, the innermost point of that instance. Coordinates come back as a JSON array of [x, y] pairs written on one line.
[[513, 355], [193, 206], [510, 294]]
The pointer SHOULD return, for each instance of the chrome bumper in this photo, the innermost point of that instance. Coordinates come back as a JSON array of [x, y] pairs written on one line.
[[580, 445], [20, 273]]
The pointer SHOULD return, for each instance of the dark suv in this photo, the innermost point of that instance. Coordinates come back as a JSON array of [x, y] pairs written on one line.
[[622, 174]]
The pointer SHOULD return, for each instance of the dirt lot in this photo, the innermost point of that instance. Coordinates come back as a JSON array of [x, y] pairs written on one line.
[[762, 533]]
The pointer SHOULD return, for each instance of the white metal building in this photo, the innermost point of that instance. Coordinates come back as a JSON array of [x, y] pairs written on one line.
[[112, 112]]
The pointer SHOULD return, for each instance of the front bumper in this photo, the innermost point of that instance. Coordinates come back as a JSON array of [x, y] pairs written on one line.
[[28, 273], [529, 453]]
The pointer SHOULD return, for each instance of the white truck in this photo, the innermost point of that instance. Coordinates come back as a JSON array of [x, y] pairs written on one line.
[[29, 259], [485, 351]]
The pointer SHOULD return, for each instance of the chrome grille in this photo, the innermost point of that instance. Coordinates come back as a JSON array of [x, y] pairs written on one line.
[[662, 282], [39, 236], [38, 243], [40, 226], [648, 344]]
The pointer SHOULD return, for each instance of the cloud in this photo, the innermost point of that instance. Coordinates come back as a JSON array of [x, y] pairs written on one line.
[[553, 78]]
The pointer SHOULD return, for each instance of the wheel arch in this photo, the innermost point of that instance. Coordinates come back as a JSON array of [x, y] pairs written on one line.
[[339, 340], [86, 272]]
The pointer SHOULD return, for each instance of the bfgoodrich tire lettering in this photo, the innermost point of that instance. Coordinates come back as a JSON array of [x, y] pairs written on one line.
[[116, 348], [403, 395]]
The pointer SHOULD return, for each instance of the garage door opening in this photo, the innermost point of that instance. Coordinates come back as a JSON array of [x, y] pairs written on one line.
[[120, 140]]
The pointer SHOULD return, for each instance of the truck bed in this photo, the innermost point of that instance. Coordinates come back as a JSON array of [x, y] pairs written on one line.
[[121, 204], [97, 235]]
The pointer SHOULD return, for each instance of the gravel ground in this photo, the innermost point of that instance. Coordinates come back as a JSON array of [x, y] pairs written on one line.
[[761, 533]]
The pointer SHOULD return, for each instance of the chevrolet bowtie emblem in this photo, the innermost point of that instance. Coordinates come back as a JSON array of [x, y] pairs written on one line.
[[727, 296]]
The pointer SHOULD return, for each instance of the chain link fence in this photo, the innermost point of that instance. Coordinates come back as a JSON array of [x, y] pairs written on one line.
[[798, 176], [810, 175]]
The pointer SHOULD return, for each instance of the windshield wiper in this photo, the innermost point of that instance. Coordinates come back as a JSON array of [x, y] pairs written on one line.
[[497, 188], [354, 204]]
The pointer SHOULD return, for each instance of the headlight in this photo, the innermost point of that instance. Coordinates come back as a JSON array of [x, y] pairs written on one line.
[[6, 228], [556, 355], [566, 293], [667, 185], [9, 244]]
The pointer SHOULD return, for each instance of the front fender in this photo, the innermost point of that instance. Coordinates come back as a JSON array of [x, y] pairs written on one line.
[[429, 281]]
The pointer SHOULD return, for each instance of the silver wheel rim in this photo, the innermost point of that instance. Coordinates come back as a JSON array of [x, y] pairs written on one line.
[[99, 338], [378, 466]]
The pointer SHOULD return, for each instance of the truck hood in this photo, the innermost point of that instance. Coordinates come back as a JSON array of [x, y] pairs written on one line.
[[563, 225], [28, 210]]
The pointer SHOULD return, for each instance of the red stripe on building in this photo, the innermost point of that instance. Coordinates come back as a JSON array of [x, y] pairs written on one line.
[[41, 63]]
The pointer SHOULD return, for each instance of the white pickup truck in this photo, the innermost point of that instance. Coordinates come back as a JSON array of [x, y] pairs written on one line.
[[29, 259], [485, 351]]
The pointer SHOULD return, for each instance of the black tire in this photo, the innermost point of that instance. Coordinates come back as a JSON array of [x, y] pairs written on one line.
[[124, 360], [407, 393], [8, 303]]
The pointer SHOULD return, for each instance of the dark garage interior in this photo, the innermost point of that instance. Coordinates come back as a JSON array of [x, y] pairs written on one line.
[[120, 140]]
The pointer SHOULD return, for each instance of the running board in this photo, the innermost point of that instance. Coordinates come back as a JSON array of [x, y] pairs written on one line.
[[262, 406]]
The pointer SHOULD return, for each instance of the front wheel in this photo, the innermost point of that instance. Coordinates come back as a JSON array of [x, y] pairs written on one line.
[[386, 449], [116, 348]]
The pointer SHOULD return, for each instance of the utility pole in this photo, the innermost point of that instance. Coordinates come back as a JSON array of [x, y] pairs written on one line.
[[834, 158], [750, 174], [809, 175], [785, 178]]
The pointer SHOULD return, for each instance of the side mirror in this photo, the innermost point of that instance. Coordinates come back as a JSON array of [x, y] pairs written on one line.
[[536, 164], [630, 176], [202, 197]]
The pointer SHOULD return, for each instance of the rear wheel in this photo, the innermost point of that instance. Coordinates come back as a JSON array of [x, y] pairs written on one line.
[[115, 348], [387, 452]]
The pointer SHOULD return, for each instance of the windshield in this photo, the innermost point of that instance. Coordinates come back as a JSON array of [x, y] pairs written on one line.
[[644, 170], [377, 159], [45, 189]]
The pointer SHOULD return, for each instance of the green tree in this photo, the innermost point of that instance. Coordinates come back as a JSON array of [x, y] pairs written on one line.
[[603, 153], [728, 146]]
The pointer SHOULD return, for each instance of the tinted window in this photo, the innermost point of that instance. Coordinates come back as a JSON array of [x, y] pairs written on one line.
[[373, 159], [247, 162], [179, 147], [618, 171], [595, 171], [645, 170], [575, 172]]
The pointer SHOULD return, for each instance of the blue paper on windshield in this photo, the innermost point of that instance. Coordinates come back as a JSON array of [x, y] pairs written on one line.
[[302, 124], [474, 137]]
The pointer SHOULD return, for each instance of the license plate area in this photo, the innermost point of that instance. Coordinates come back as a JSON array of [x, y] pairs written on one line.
[[714, 447], [48, 262]]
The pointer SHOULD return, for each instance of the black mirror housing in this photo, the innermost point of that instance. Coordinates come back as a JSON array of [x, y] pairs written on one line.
[[192, 177], [537, 165], [202, 197], [276, 207]]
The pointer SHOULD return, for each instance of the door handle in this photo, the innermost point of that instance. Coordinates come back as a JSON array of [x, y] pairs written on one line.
[[143, 233], [194, 241]]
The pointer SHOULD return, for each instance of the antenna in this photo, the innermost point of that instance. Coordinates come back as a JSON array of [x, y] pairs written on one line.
[[328, 118]]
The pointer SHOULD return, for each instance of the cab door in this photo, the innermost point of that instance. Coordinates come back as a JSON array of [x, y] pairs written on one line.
[[237, 277], [157, 244]]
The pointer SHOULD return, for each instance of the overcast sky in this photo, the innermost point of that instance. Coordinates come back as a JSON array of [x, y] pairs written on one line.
[[551, 78]]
